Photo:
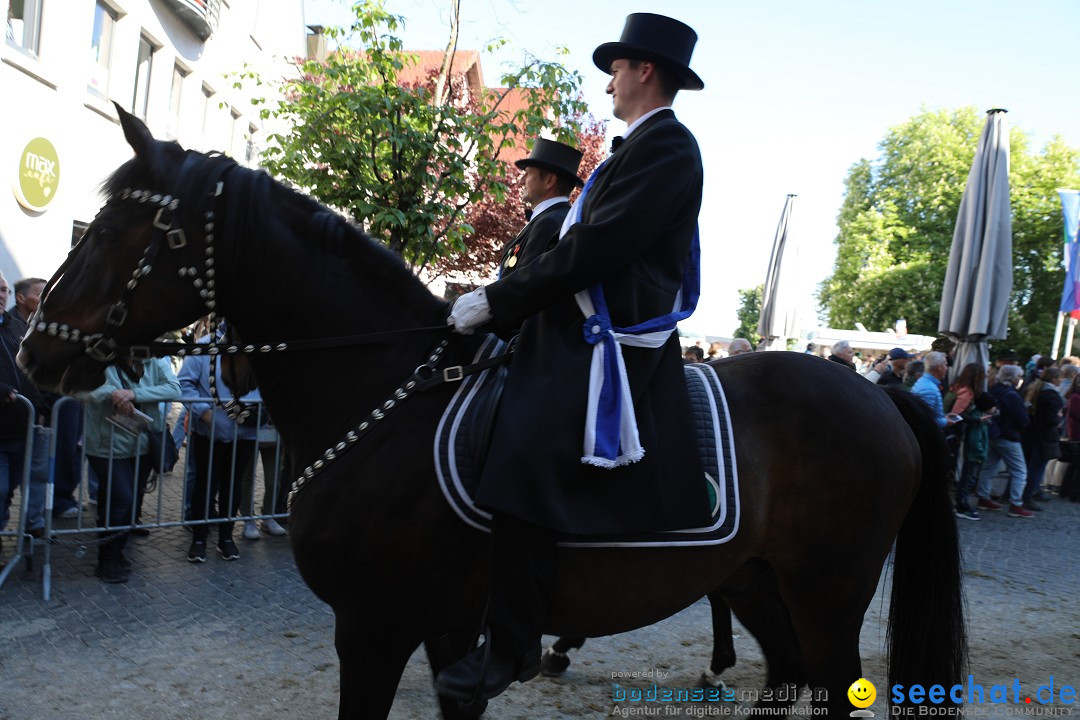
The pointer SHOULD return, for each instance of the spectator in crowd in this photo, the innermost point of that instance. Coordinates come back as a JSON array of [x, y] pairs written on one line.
[[811, 349], [739, 346], [928, 387], [13, 425], [1007, 357], [118, 450], [1005, 432], [1042, 441], [1070, 485], [843, 353], [694, 354], [1068, 374], [967, 400], [894, 373], [912, 373], [716, 350], [273, 478], [68, 422], [215, 440]]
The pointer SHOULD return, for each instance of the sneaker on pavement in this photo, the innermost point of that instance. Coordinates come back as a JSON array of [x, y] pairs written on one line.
[[69, 514], [273, 527], [197, 552], [988, 504], [1033, 506], [228, 550], [251, 530], [1019, 511], [112, 571], [967, 514]]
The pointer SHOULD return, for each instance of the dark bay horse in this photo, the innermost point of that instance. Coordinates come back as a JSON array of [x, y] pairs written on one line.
[[833, 471]]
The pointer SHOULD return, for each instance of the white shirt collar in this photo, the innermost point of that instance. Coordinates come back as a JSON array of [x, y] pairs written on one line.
[[637, 123], [544, 205]]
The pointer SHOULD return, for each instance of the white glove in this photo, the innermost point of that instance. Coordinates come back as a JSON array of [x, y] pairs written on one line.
[[469, 312]]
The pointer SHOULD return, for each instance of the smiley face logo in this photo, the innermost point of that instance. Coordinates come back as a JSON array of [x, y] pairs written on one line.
[[862, 693]]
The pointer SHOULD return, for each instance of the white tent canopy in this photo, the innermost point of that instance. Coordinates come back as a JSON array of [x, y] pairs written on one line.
[[866, 340]]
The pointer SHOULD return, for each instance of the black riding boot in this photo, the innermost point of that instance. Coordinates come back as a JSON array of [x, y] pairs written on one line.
[[522, 571]]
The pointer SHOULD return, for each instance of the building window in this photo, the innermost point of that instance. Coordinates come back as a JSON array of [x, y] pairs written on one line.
[[251, 154], [236, 135], [172, 131], [24, 25], [141, 98], [78, 229], [207, 111], [101, 49]]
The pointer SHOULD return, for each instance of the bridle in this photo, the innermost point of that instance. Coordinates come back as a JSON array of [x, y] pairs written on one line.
[[167, 232]]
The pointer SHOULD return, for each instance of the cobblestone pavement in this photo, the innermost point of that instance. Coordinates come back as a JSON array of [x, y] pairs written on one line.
[[247, 639]]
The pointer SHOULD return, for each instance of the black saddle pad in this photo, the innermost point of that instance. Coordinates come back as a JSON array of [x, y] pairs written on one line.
[[465, 429]]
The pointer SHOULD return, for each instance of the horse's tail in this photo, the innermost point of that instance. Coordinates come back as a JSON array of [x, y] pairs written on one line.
[[926, 637]]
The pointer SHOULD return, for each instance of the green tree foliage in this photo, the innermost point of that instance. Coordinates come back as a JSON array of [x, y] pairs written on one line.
[[749, 313], [896, 227], [401, 161]]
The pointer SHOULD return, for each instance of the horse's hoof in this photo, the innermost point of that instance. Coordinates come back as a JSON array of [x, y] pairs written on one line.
[[709, 679], [554, 664], [473, 708]]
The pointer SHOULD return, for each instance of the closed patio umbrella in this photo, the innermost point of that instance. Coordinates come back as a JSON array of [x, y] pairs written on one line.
[[776, 322], [978, 280]]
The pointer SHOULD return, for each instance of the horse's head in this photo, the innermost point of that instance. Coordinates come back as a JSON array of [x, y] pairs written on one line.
[[145, 265]]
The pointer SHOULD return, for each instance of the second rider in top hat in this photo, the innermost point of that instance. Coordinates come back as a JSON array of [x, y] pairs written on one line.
[[550, 177], [627, 255]]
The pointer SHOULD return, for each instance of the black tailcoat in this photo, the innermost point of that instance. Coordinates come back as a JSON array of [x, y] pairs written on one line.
[[536, 238], [637, 224]]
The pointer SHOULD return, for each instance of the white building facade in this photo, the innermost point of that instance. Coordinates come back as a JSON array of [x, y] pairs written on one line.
[[64, 62]]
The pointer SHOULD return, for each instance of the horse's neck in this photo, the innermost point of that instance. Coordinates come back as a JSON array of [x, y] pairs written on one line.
[[295, 287]]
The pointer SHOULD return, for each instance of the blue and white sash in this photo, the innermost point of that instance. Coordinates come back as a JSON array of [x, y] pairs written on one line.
[[611, 432]]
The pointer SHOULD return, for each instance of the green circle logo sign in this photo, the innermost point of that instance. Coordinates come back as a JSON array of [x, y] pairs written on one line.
[[39, 175]]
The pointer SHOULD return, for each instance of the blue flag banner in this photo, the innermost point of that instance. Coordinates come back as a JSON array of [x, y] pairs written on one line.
[[1070, 206]]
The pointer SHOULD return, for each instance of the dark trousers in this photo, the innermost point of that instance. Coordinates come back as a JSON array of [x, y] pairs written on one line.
[[1036, 468], [66, 476], [216, 494], [969, 476], [522, 574], [119, 492]]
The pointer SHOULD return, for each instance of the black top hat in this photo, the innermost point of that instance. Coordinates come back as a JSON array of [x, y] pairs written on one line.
[[554, 157], [655, 38]]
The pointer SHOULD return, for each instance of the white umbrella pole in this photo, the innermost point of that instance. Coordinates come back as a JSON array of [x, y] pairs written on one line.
[[1057, 336], [1069, 338]]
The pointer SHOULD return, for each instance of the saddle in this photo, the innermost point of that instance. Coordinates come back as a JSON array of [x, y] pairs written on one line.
[[464, 435]]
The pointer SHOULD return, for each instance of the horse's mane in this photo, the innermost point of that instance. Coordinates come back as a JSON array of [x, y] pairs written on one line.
[[251, 196]]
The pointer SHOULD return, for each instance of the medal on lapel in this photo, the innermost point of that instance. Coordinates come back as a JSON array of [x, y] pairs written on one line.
[[512, 260]]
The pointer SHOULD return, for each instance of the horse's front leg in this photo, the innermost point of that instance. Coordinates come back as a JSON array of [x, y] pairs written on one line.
[[372, 656]]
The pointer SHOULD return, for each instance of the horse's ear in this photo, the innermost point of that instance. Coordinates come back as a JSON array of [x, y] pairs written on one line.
[[136, 132]]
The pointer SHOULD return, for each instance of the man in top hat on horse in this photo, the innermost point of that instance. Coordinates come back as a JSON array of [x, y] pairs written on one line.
[[598, 366], [549, 178]]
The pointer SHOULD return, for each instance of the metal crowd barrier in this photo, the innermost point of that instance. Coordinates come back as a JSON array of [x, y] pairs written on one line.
[[24, 543], [83, 534]]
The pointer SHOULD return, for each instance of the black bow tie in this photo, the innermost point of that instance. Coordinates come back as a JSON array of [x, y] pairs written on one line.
[[616, 142], [528, 214]]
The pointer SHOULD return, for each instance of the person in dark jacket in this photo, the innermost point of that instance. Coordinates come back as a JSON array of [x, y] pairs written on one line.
[[627, 255], [14, 452], [550, 177], [1005, 433], [1041, 441]]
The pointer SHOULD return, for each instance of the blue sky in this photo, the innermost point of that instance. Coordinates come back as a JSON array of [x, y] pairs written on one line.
[[796, 92]]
